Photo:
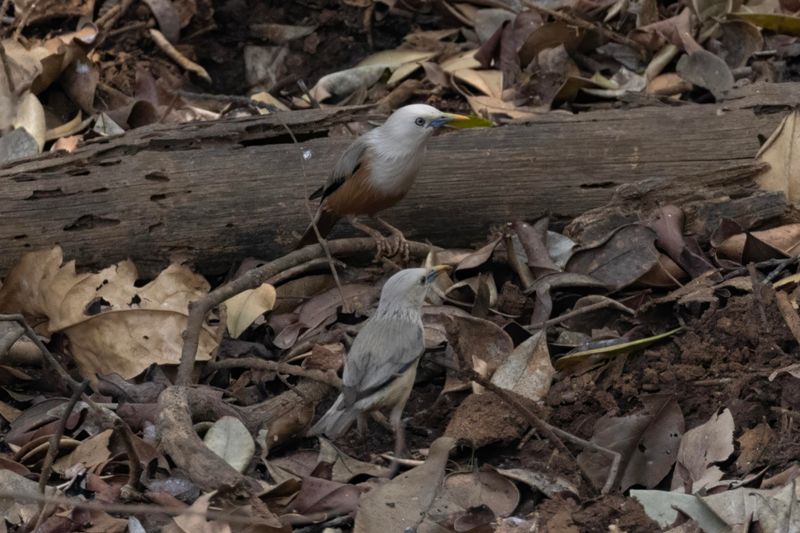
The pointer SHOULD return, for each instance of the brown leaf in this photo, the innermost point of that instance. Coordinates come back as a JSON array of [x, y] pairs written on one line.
[[113, 325], [90, 454], [546, 284], [482, 487], [706, 70], [700, 448], [668, 224], [480, 256], [168, 21], [620, 259], [480, 342], [404, 501], [753, 445], [527, 371], [534, 241], [647, 440]]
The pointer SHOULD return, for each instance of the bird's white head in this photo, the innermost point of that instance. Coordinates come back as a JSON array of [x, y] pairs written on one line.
[[408, 288], [415, 123]]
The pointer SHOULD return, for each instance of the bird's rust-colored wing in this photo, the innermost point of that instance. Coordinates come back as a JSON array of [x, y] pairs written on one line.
[[357, 196]]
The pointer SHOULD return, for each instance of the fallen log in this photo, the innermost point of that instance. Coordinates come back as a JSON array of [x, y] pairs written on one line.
[[216, 192]]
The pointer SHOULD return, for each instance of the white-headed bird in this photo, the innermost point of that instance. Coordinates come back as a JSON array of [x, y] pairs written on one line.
[[376, 171], [380, 368]]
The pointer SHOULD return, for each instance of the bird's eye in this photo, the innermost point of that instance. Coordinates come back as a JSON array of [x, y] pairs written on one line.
[[422, 280], [419, 121]]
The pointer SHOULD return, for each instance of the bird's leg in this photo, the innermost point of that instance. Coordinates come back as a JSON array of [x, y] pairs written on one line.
[[382, 244], [362, 432], [400, 245], [400, 449]]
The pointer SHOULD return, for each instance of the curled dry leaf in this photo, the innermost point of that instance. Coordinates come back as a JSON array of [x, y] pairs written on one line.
[[113, 326], [484, 487], [784, 238], [782, 152], [480, 342], [245, 307], [229, 439]]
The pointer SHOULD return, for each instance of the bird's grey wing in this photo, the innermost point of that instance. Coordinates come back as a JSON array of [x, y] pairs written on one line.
[[383, 350], [345, 167]]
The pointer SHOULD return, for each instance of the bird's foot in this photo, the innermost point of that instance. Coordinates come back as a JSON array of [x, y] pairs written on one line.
[[385, 247], [399, 244]]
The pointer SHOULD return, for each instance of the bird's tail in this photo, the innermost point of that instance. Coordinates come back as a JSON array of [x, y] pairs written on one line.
[[336, 421], [325, 222]]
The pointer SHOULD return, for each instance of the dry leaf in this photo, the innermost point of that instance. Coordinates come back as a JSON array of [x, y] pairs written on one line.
[[246, 306], [404, 501], [484, 487], [527, 370], [782, 152], [113, 325], [647, 440], [700, 448], [229, 439]]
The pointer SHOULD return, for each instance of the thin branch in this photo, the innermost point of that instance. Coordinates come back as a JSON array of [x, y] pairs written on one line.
[[329, 377], [582, 311], [253, 278], [51, 360], [52, 449]]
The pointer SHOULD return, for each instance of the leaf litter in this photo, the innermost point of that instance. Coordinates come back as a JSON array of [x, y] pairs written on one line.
[[649, 340]]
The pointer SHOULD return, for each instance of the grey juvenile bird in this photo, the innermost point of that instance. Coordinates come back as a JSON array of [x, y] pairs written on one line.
[[380, 368]]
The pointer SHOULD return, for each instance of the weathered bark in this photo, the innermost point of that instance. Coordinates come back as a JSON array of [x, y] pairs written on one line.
[[216, 192]]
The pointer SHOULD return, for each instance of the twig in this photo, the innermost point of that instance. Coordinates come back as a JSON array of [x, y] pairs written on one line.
[[133, 26], [329, 377], [134, 465], [52, 449], [582, 311], [51, 360], [23, 21], [586, 25], [301, 269], [783, 265], [176, 56], [4, 8], [252, 279], [129, 509]]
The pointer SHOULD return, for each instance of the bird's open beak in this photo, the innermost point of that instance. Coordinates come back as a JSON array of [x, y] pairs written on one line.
[[433, 272], [447, 118]]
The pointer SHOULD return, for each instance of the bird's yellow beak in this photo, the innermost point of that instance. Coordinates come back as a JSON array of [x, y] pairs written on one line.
[[447, 118], [434, 271]]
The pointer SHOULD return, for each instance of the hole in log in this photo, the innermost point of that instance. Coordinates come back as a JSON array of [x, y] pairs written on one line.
[[152, 227], [79, 172], [598, 185], [22, 178], [101, 189], [158, 197], [282, 139], [109, 162], [91, 222], [20, 237], [39, 194], [156, 176], [761, 139]]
